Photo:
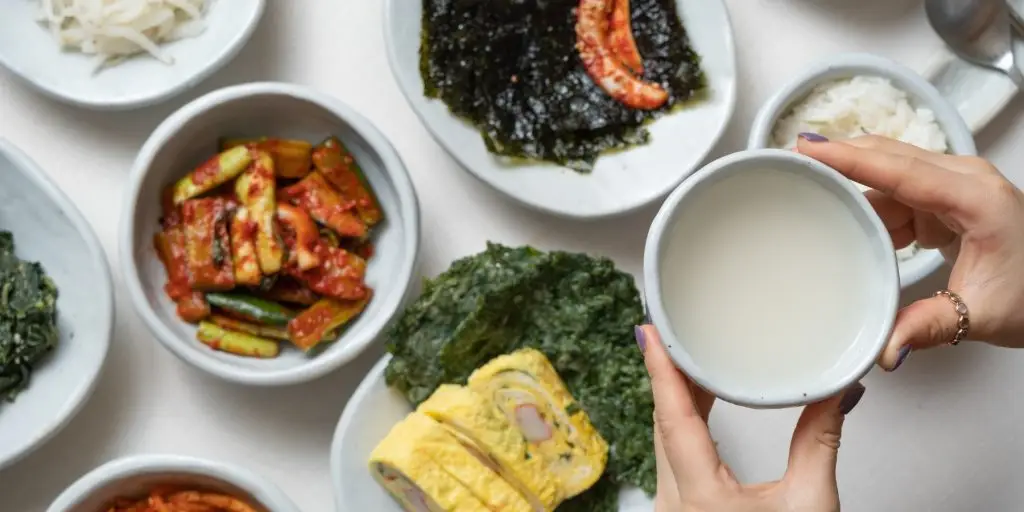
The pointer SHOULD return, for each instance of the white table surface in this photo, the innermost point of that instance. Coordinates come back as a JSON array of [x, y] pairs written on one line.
[[942, 434]]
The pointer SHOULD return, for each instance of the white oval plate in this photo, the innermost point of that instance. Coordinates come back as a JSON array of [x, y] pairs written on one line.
[[48, 228], [28, 50], [619, 183], [368, 417]]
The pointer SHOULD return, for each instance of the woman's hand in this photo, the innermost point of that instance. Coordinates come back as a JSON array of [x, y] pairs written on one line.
[[960, 205], [691, 477]]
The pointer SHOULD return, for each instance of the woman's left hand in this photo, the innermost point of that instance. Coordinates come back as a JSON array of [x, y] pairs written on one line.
[[692, 478]]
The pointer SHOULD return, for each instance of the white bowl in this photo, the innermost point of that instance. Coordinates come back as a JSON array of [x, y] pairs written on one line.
[[49, 229], [876, 324], [368, 417], [31, 53], [134, 477], [621, 182], [188, 137], [921, 94]]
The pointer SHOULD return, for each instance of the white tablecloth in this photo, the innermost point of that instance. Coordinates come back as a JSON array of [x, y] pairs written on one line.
[[942, 434]]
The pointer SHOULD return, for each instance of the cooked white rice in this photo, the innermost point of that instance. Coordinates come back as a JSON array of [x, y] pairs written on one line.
[[862, 105]]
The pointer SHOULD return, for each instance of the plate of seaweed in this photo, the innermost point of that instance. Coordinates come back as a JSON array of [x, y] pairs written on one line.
[[577, 108]]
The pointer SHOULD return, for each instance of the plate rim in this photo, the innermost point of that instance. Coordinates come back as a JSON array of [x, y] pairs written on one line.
[[730, 98], [227, 54], [105, 294]]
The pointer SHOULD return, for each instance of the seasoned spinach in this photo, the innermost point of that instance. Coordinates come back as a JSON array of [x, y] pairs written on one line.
[[511, 68], [576, 309], [28, 318]]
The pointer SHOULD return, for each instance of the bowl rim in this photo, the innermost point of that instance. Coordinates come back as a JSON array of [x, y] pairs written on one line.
[[129, 102], [887, 295], [263, 490], [958, 134], [348, 418], [393, 167], [104, 294], [414, 97]]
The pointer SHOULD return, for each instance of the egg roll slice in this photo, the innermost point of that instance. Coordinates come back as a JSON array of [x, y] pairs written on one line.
[[487, 434], [529, 392], [414, 480], [485, 483]]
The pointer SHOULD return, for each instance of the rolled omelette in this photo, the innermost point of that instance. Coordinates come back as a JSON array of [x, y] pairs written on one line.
[[422, 434], [414, 479], [528, 390], [485, 432]]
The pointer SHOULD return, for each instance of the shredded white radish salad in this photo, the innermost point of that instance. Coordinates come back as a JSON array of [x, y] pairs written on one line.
[[115, 29]]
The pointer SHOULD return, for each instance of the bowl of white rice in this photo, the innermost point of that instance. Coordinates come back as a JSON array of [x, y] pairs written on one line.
[[860, 94]]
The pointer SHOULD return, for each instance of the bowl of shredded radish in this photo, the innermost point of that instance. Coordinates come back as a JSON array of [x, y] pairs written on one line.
[[120, 54]]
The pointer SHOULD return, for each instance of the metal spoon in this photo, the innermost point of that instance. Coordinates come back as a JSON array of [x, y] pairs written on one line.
[[978, 31]]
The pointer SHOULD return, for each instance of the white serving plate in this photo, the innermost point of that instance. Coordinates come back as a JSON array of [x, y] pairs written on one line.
[[368, 417], [187, 138], [619, 183], [49, 229], [30, 52]]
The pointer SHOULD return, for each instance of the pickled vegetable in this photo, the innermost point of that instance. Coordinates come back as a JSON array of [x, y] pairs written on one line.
[[263, 331], [212, 173], [243, 249], [170, 247], [237, 343], [255, 188], [251, 308], [312, 325], [325, 205], [207, 244], [304, 237], [339, 276], [341, 170], [292, 158]]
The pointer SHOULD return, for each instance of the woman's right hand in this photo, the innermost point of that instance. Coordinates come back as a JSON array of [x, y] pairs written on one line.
[[960, 205]]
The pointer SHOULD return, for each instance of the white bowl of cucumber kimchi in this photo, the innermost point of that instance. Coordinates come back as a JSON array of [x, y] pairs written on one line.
[[269, 234]]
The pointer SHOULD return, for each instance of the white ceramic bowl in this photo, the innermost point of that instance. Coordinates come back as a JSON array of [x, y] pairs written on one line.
[[368, 417], [134, 477], [49, 229], [31, 53], [188, 137], [620, 182], [921, 93], [876, 323]]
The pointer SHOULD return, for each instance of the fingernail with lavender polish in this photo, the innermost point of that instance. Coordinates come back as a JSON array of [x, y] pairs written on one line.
[[902, 357], [641, 338], [813, 137], [851, 398]]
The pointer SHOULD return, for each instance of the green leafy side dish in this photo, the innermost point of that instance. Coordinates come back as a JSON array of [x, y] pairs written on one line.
[[28, 318], [576, 309], [511, 68]]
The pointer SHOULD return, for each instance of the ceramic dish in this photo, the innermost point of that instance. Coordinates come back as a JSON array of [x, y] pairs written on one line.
[[49, 229], [30, 52], [135, 476], [368, 417], [187, 138], [922, 93], [979, 94], [875, 322], [620, 182]]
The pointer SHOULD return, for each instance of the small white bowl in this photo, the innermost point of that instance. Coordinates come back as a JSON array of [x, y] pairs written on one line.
[[134, 477], [877, 324], [188, 137], [49, 229], [369, 415], [31, 53], [921, 94], [621, 182]]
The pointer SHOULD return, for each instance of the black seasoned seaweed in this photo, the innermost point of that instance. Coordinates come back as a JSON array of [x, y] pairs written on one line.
[[511, 68], [576, 309], [28, 318]]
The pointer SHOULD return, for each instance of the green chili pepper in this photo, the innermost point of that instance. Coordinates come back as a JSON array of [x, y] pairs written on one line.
[[251, 308]]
